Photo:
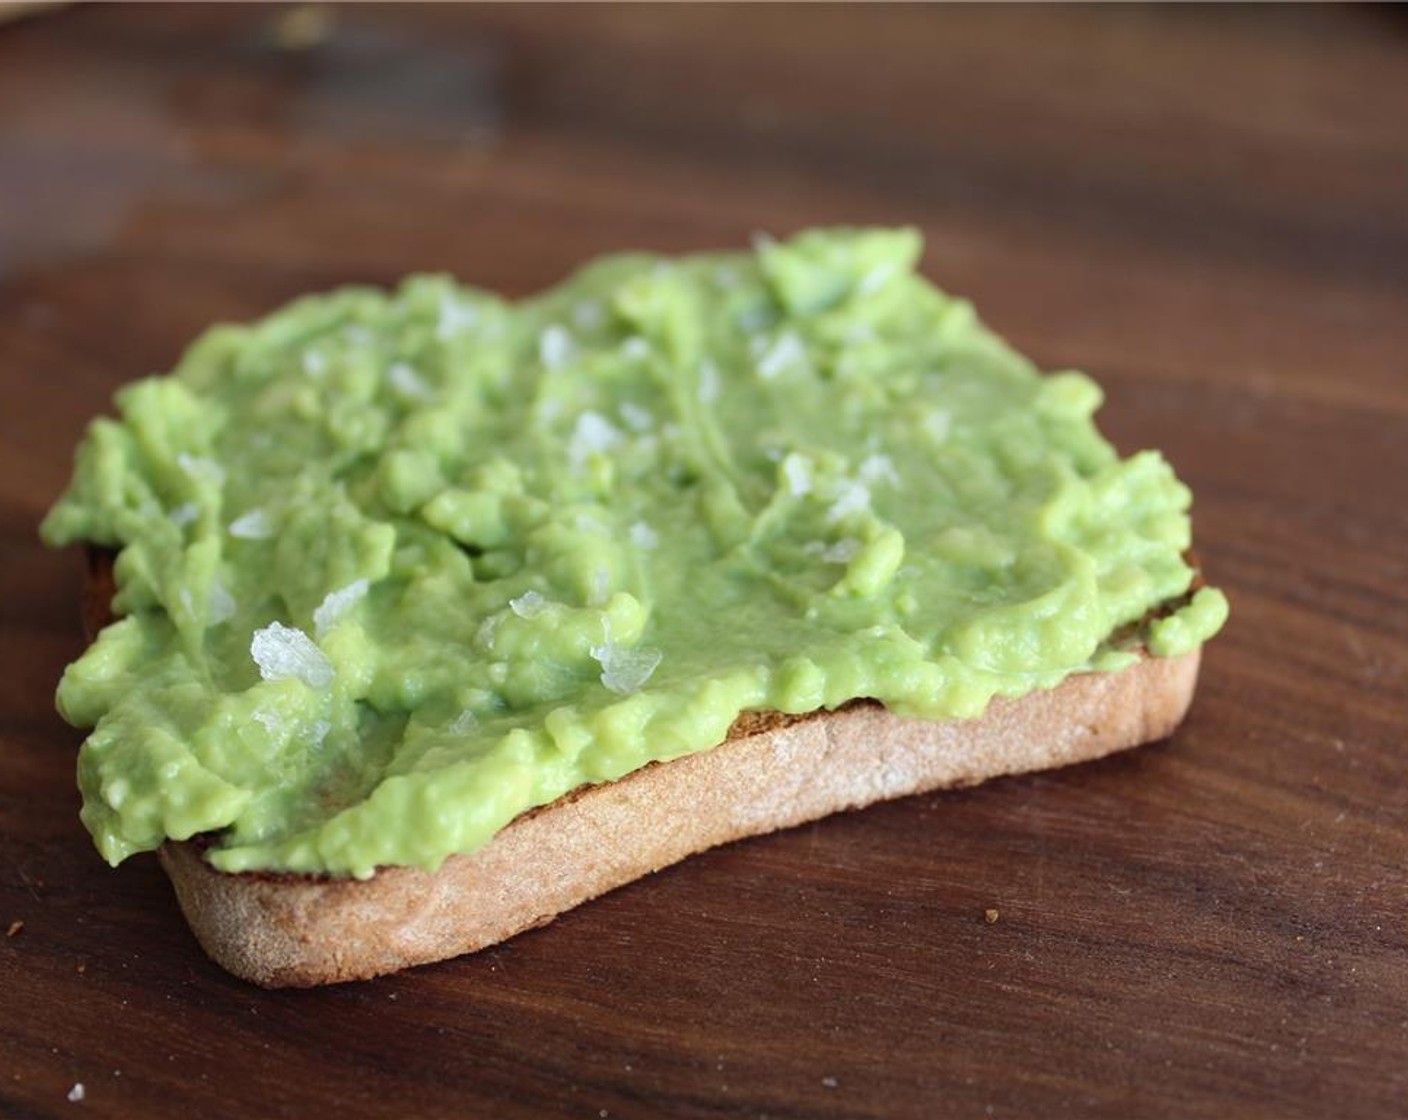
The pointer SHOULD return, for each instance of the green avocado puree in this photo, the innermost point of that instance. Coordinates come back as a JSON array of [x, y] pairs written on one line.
[[395, 567]]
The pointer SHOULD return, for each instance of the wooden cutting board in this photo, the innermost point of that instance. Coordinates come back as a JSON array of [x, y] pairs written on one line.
[[1207, 209]]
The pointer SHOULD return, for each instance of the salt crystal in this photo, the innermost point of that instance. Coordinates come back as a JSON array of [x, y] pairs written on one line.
[[270, 721], [937, 425], [336, 604], [643, 536], [588, 314], [406, 381], [201, 469], [220, 607], [184, 514], [797, 473], [77, 1093], [314, 364], [283, 651], [638, 419], [853, 497], [528, 605], [842, 552], [252, 525], [463, 722], [592, 434], [875, 279], [878, 468], [708, 382], [786, 351], [555, 347], [454, 317], [624, 670]]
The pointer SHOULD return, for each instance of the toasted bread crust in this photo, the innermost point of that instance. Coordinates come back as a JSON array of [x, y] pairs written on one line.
[[287, 930]]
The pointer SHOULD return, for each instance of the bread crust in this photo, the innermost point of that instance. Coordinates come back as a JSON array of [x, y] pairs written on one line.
[[284, 930]]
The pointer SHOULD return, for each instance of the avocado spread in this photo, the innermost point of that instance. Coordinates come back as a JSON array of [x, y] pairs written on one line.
[[395, 567]]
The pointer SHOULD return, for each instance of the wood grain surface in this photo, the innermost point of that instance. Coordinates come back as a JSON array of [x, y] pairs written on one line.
[[1205, 208]]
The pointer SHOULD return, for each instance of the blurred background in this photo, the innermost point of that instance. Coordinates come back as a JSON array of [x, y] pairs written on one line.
[[1205, 207]]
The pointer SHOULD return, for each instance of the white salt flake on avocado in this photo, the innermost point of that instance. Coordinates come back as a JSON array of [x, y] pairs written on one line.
[[465, 721], [201, 469], [336, 604], [937, 425], [406, 381], [782, 354], [252, 525], [555, 347], [286, 652], [314, 364], [592, 435], [528, 605], [624, 670], [455, 318], [638, 419], [221, 605], [842, 552], [643, 536], [708, 382], [878, 468], [852, 497], [589, 314], [797, 474]]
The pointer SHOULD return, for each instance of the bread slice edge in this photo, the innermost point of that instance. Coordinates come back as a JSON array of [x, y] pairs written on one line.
[[283, 930]]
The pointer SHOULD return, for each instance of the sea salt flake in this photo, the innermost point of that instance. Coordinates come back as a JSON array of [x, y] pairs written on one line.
[[77, 1093], [875, 279], [220, 607], [465, 721], [201, 469], [878, 468], [455, 317], [270, 721], [555, 347], [183, 515], [336, 604], [642, 536], [638, 419], [528, 605], [284, 652], [852, 497], [314, 363], [937, 425], [709, 382], [797, 474], [784, 352], [624, 670], [406, 381], [589, 314], [252, 525], [842, 552], [592, 434]]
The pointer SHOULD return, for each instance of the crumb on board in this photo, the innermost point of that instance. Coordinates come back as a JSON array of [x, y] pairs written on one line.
[[990, 916], [14, 927]]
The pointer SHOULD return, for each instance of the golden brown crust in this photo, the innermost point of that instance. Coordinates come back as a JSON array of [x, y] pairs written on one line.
[[283, 930]]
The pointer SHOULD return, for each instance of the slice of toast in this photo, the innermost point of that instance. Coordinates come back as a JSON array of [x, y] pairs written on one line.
[[772, 772], [290, 930]]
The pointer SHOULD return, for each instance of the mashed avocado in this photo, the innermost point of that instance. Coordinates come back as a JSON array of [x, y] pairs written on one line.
[[394, 568]]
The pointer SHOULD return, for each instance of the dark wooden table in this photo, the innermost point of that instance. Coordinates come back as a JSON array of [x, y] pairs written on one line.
[[1207, 209]]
